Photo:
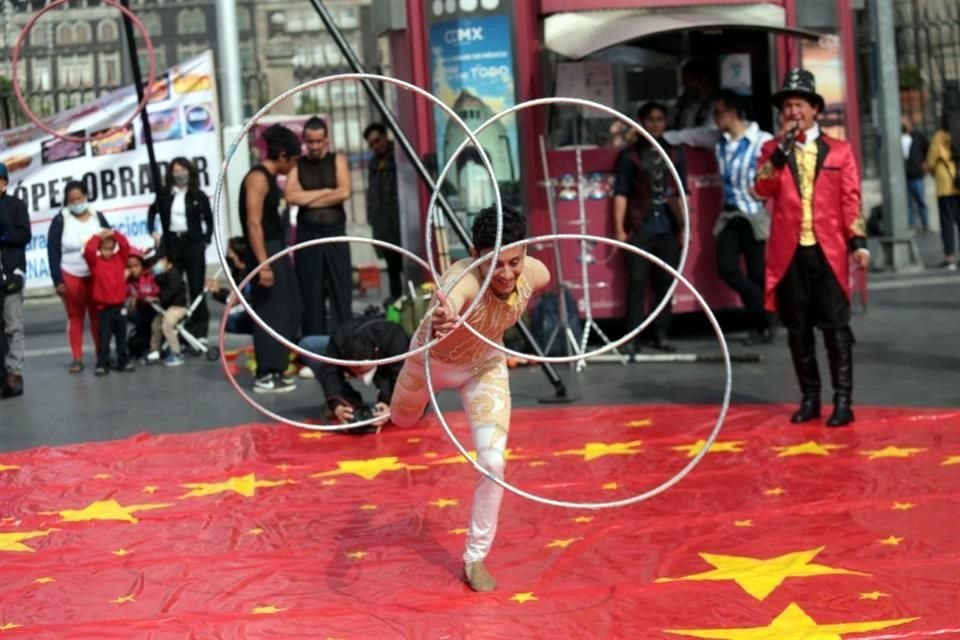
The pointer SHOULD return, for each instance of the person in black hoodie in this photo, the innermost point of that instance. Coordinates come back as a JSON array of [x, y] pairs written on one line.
[[186, 227], [915, 147], [173, 301], [14, 237]]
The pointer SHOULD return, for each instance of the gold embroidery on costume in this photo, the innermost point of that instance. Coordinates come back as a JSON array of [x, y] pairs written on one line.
[[807, 168], [766, 171], [859, 228]]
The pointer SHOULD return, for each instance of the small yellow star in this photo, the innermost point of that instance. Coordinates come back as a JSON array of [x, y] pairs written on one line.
[[329, 482], [594, 450], [245, 486], [730, 446], [536, 463], [443, 503], [102, 476], [611, 486], [122, 599], [356, 555], [458, 532], [646, 422], [874, 595], [368, 469], [808, 448], [368, 507], [776, 491], [120, 552], [527, 596], [413, 440], [44, 580], [891, 452], [267, 609], [9, 467], [949, 460], [891, 540], [12, 541], [582, 519], [562, 544], [108, 510], [285, 467], [150, 489], [7, 626], [743, 523], [431, 454], [313, 435], [902, 506], [254, 532]]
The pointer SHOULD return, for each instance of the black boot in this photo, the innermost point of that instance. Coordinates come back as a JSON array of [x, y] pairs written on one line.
[[840, 352], [804, 352]]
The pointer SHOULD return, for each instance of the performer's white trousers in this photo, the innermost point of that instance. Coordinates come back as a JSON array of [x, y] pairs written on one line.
[[485, 391]]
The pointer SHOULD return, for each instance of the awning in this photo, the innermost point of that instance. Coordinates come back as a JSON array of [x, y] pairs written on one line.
[[580, 33]]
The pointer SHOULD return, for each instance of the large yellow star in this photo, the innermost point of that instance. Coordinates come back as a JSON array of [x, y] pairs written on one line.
[[792, 624], [520, 598], [244, 485], [891, 452], [562, 544], [902, 506], [760, 577], [950, 460], [891, 540], [11, 541], [594, 450], [730, 446], [808, 448], [108, 510], [9, 467], [368, 469]]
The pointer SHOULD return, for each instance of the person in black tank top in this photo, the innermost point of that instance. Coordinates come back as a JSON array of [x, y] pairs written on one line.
[[275, 296], [319, 185]]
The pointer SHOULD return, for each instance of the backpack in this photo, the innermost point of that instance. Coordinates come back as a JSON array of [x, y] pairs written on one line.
[[546, 318]]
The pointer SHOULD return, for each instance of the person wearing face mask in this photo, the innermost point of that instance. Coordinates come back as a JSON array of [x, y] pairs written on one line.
[[366, 338], [69, 232], [15, 235], [812, 186], [172, 299], [319, 185], [186, 227]]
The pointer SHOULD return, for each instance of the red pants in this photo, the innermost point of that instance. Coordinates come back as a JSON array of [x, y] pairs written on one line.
[[78, 299]]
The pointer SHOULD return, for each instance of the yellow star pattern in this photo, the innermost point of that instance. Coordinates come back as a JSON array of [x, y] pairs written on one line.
[[874, 595], [7, 626], [562, 544], [120, 552], [9, 467], [792, 624], [950, 460], [594, 450], [760, 577], [246, 486], [902, 506], [269, 608], [356, 555], [431, 454], [368, 469], [611, 486], [254, 532], [891, 540], [458, 532], [582, 519], [108, 510], [44, 580], [646, 422], [328, 483], [891, 452], [150, 489], [536, 463], [743, 523], [314, 435], [775, 491], [368, 507], [730, 446], [527, 596], [12, 541], [808, 448], [413, 440], [443, 503], [122, 599], [102, 476]]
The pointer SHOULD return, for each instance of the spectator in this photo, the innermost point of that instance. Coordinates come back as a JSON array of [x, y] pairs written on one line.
[[943, 166], [383, 204], [915, 148], [275, 296], [693, 106], [68, 235], [173, 302], [186, 223], [239, 321], [106, 253], [319, 184], [358, 339], [141, 289], [744, 225], [647, 214], [15, 235]]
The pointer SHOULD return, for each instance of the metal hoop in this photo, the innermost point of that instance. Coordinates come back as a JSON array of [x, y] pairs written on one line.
[[218, 217], [151, 75], [626, 501], [683, 253]]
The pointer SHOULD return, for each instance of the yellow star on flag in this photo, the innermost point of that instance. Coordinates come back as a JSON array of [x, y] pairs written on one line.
[[582, 519], [730, 446], [562, 544], [413, 440], [267, 609], [12, 541], [775, 491], [8, 626], [611, 486], [9, 467], [743, 523], [443, 503], [527, 596], [246, 486], [874, 595], [368, 469], [646, 422], [536, 463], [44, 580], [950, 460], [122, 599], [368, 507], [891, 452], [891, 540], [902, 506], [254, 532], [792, 624], [808, 448], [150, 489], [431, 454], [328, 483], [120, 552], [356, 555], [459, 532], [594, 450], [102, 476], [108, 510], [760, 577], [313, 435]]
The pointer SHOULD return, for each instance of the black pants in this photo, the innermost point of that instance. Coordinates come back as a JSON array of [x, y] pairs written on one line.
[[394, 272], [809, 294], [138, 342], [949, 207], [324, 273], [113, 324], [278, 306], [734, 241], [189, 257], [640, 271]]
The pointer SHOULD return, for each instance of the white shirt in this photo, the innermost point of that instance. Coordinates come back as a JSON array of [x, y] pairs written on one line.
[[737, 162], [74, 239], [178, 211], [906, 141]]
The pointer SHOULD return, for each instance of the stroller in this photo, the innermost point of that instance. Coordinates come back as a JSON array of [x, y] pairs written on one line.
[[196, 346]]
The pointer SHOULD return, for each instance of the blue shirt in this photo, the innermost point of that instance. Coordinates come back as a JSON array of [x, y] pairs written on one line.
[[737, 161]]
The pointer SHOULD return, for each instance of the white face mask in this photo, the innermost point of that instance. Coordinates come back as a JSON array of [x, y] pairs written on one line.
[[367, 378]]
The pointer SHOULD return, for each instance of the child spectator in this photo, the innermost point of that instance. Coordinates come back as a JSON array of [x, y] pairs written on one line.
[[173, 301], [238, 321], [141, 289], [106, 253]]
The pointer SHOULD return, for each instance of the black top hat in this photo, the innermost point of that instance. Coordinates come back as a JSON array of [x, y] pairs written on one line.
[[799, 82]]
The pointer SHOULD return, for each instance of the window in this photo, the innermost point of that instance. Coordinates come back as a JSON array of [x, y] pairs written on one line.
[[190, 50], [160, 61], [64, 33], [107, 31], [348, 18], [75, 71], [38, 36], [295, 21], [153, 24], [110, 74], [243, 19], [247, 60], [190, 21], [82, 34], [41, 75]]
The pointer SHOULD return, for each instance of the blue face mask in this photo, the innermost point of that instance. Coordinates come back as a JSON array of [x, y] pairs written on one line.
[[77, 208]]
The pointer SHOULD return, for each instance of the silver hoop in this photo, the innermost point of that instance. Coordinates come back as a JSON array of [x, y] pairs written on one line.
[[656, 310], [659, 488], [218, 217]]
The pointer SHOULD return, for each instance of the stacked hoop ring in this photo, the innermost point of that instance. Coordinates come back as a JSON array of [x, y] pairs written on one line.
[[238, 298]]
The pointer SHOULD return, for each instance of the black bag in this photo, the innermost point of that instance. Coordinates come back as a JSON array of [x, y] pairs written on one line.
[[546, 319]]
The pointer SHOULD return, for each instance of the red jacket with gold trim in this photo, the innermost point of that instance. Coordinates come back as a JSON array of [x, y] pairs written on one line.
[[837, 220]]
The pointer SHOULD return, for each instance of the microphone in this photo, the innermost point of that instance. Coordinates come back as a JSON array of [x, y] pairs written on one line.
[[791, 138]]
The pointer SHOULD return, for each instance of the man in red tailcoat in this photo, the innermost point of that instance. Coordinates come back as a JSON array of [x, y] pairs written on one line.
[[812, 185]]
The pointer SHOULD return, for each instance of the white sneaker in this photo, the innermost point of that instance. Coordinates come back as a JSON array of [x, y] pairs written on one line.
[[153, 357], [306, 373], [272, 383]]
